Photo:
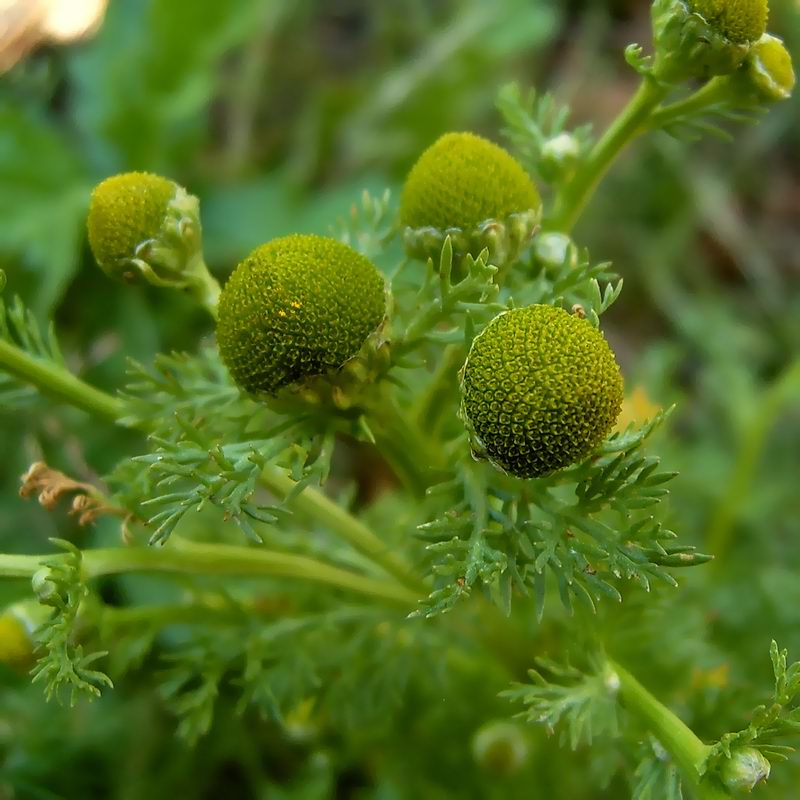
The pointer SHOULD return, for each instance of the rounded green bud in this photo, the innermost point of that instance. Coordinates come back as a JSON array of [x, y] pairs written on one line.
[[18, 624], [468, 188], [143, 227], [560, 156], [540, 390], [297, 307], [768, 70], [703, 38], [744, 770], [16, 644], [501, 748]]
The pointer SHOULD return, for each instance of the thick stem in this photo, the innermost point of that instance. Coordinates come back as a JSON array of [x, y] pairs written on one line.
[[185, 557], [203, 286], [710, 94], [632, 121], [676, 737], [57, 382], [318, 506]]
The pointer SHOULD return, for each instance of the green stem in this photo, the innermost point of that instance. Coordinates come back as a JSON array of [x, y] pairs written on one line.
[[318, 506], [631, 122], [774, 398], [185, 557], [675, 736], [710, 94], [60, 384], [204, 286], [57, 382]]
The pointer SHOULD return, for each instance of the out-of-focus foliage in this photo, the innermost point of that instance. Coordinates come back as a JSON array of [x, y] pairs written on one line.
[[277, 114]]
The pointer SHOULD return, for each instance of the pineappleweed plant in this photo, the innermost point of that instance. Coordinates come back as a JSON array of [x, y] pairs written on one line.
[[476, 368]]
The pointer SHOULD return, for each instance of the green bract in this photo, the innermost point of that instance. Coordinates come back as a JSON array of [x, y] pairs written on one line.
[[540, 390], [701, 38], [297, 307], [473, 190]]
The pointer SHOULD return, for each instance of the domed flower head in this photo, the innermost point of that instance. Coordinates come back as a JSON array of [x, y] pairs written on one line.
[[702, 38], [143, 227], [540, 390], [296, 307], [471, 189]]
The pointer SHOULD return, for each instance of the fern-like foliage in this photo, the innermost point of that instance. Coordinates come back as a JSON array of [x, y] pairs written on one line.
[[63, 664], [20, 330], [585, 528], [535, 122], [584, 704], [771, 723], [370, 225], [657, 777]]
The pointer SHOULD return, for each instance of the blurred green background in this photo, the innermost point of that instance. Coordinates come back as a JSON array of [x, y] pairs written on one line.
[[278, 114]]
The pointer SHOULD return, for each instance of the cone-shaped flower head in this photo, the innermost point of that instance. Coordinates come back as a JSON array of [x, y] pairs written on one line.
[[701, 38], [143, 227], [472, 189], [540, 390], [744, 770], [296, 307]]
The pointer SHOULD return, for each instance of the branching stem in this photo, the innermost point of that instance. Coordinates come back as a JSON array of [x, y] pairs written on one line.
[[631, 122], [62, 385], [185, 557], [57, 382], [676, 737]]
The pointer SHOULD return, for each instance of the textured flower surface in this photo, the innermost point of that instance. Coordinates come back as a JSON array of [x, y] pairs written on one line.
[[462, 180], [297, 306], [740, 21], [125, 211], [541, 390]]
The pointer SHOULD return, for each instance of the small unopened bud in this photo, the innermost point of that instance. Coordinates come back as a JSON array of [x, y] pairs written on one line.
[[501, 748], [143, 227], [43, 586], [18, 624], [744, 770], [768, 70], [559, 157]]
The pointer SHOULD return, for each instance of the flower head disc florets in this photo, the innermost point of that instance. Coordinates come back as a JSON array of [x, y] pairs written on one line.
[[740, 21], [540, 390], [297, 307], [468, 188]]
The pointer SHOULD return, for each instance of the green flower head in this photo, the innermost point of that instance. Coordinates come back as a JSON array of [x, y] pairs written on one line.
[[540, 390], [472, 189], [297, 307], [738, 21], [702, 38], [143, 227]]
